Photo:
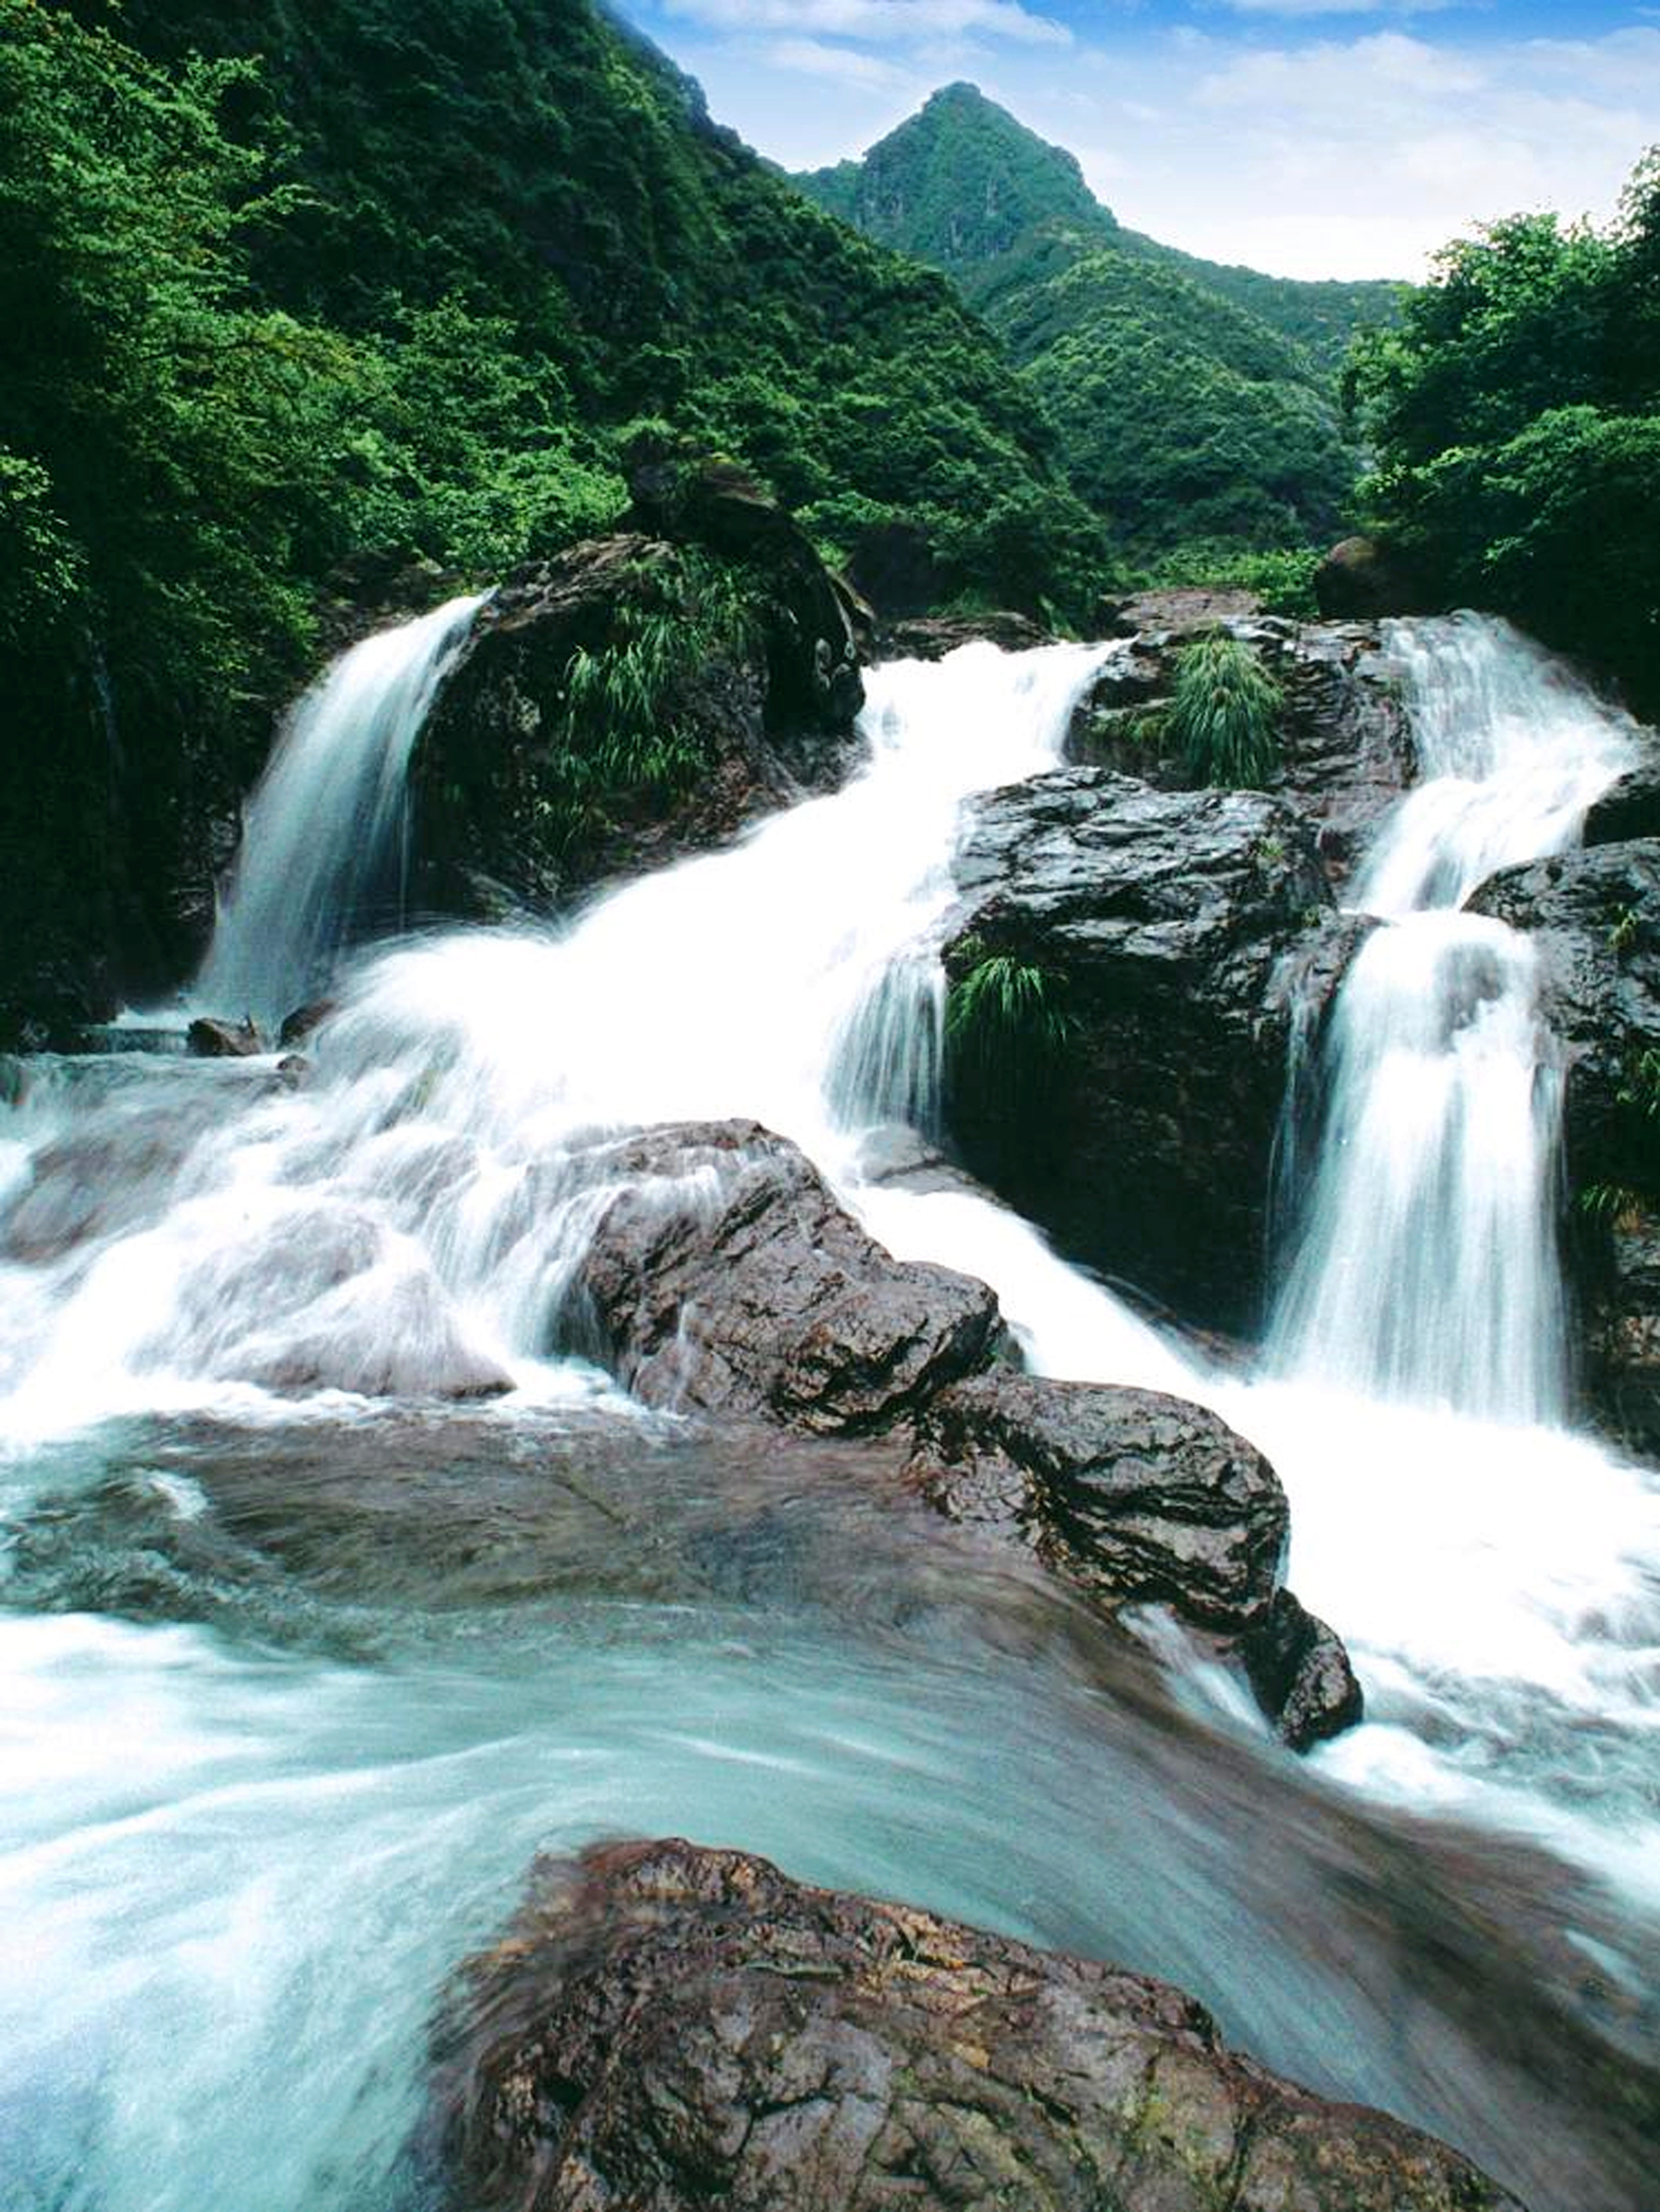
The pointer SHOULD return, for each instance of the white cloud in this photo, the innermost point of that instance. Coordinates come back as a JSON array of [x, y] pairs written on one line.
[[1310, 8], [845, 65], [885, 22]]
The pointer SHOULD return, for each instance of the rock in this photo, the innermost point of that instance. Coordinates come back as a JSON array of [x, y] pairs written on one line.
[[1629, 807], [216, 1040], [1361, 579], [668, 2028], [933, 638], [1301, 1674], [724, 1276], [298, 1025], [893, 566], [1170, 933], [1596, 918], [1183, 612], [1346, 744], [1134, 1497], [497, 823]]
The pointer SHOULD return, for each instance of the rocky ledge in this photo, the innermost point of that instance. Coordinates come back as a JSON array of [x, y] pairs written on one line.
[[1121, 1081], [1594, 917], [721, 1276], [668, 2028]]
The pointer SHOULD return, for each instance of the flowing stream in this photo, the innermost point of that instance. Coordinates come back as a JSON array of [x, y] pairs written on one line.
[[303, 1663]]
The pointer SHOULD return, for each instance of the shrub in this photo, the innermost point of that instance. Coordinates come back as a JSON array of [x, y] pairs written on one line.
[[1223, 713]]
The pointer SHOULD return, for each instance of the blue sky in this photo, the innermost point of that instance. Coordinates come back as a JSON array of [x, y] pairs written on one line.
[[1311, 137]]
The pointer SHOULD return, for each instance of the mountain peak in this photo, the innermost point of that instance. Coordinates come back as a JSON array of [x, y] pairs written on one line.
[[958, 182]]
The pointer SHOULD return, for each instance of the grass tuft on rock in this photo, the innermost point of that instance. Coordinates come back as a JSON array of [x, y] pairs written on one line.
[[1224, 714]]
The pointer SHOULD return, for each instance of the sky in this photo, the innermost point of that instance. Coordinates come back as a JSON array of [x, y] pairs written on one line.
[[1313, 138]]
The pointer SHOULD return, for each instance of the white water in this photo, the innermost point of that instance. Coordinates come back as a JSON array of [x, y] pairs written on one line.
[[323, 832], [206, 1238]]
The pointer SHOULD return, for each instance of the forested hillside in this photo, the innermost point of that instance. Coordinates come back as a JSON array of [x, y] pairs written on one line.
[[1195, 404], [1515, 414], [291, 293]]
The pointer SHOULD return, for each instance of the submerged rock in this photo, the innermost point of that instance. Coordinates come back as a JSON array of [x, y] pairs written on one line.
[[724, 1276], [1156, 946], [667, 2027]]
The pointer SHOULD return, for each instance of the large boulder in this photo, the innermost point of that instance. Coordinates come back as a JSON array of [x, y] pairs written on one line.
[[1127, 967], [738, 685], [668, 2028], [1345, 741], [1361, 579], [1135, 1498], [1596, 918], [724, 1276]]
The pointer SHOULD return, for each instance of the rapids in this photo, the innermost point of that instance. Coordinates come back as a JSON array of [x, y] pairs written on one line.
[[299, 1676]]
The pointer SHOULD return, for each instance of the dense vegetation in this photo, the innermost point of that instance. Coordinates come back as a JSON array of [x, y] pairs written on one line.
[[1223, 713], [293, 296], [1515, 414], [1195, 404]]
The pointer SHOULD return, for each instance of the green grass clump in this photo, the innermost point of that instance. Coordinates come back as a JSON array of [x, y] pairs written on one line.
[[1223, 714], [1006, 1029]]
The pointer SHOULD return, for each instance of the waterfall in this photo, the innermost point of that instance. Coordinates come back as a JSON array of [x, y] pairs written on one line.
[[321, 855], [1426, 1270]]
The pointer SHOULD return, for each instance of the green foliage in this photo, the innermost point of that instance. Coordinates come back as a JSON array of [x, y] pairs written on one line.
[[627, 740], [1007, 1029], [1190, 402], [1283, 579], [1515, 417], [1223, 713]]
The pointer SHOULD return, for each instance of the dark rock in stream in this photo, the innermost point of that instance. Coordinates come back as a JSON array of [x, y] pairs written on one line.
[[1345, 748], [668, 2028], [1177, 940], [764, 707], [215, 1040], [1133, 1496], [1630, 805], [1301, 1674], [725, 1276], [1596, 918]]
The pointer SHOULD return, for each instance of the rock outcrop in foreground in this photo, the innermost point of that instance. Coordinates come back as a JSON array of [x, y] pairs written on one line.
[[669, 2028], [725, 1278]]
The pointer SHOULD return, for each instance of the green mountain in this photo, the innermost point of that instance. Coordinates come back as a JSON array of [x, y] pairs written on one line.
[[1194, 401]]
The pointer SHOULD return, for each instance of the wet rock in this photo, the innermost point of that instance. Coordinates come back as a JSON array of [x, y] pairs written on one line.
[[298, 1025], [763, 713], [215, 1040], [1185, 611], [1165, 937], [1134, 1497], [724, 1276], [893, 564], [1345, 746], [1301, 1674], [1363, 579], [1630, 805], [668, 2028], [933, 637], [1596, 918]]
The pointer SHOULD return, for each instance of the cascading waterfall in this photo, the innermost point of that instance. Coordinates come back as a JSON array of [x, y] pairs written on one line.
[[1427, 1270], [333, 1779], [323, 834]]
